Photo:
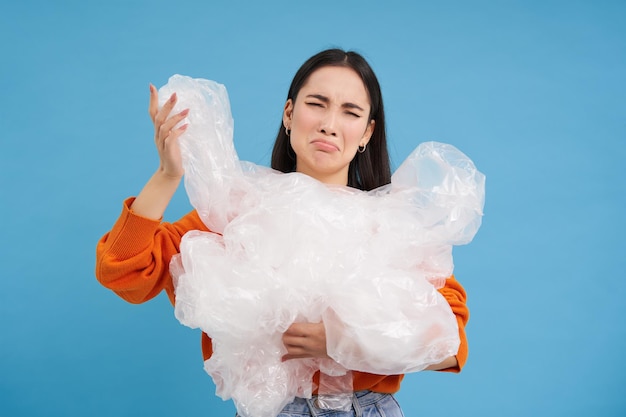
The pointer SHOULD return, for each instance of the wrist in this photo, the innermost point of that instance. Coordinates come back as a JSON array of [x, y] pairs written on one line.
[[166, 176]]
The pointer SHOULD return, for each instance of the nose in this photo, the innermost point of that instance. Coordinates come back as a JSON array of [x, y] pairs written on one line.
[[328, 124]]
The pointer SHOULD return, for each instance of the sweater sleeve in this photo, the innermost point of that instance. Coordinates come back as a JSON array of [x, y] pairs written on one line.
[[456, 297], [133, 258]]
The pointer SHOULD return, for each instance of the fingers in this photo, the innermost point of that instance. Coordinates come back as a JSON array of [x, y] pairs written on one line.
[[299, 351], [298, 330], [171, 139], [163, 123], [290, 356], [167, 132], [161, 115], [305, 340], [153, 107], [295, 342], [169, 124], [173, 134], [297, 347]]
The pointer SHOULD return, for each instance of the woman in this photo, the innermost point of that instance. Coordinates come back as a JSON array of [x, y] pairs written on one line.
[[333, 130]]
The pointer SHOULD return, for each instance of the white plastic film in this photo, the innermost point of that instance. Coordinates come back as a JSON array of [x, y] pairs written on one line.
[[289, 248]]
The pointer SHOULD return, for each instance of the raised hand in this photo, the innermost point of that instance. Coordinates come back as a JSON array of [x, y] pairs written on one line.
[[155, 196], [166, 133]]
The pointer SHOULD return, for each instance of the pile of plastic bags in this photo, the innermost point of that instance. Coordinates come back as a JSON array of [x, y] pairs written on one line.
[[287, 248]]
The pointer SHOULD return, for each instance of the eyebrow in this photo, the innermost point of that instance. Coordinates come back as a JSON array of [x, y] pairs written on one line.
[[326, 100]]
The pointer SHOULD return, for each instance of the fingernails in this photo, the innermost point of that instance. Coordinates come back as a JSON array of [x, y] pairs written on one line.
[[184, 112], [173, 98]]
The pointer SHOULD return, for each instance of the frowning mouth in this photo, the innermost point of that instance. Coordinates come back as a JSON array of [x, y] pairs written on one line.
[[325, 145]]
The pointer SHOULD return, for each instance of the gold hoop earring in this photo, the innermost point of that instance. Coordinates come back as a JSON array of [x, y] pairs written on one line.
[[362, 148]]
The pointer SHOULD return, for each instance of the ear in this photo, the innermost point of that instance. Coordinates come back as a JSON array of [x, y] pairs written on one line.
[[369, 131], [287, 114]]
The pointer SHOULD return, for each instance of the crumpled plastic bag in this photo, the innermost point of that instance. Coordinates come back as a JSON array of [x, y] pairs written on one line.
[[287, 248]]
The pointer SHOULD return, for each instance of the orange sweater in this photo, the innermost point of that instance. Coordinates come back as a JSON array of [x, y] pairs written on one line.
[[133, 261]]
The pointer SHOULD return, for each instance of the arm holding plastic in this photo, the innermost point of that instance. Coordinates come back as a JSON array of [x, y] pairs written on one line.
[[455, 295], [449, 362], [305, 340], [308, 340]]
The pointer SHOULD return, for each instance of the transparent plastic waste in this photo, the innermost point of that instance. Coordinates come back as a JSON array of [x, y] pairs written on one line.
[[335, 391], [288, 248]]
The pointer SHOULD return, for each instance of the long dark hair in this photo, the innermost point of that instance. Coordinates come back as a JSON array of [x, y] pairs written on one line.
[[368, 170]]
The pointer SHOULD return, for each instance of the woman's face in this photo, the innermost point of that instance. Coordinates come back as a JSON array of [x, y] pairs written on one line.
[[328, 122]]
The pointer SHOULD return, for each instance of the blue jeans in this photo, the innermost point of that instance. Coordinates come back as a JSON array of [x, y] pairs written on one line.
[[364, 404]]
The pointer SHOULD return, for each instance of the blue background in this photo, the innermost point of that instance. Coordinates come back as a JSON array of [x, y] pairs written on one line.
[[533, 91]]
